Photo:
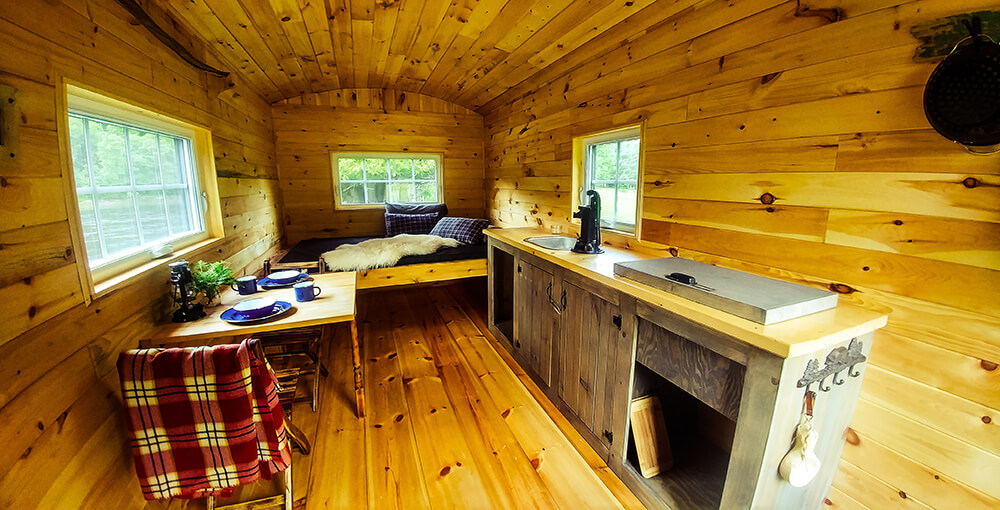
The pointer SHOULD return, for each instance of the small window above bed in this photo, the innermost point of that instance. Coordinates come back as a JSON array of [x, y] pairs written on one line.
[[366, 180]]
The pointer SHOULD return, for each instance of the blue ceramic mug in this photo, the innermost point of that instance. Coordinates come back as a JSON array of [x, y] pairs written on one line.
[[245, 285], [306, 291]]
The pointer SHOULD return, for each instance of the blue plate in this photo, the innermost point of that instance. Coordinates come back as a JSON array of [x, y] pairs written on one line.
[[268, 283], [233, 317]]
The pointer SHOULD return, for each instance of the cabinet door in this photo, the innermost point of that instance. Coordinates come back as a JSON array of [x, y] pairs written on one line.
[[537, 321], [591, 328]]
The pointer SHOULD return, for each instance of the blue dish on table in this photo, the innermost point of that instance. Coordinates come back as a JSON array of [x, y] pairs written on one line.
[[268, 283], [236, 317]]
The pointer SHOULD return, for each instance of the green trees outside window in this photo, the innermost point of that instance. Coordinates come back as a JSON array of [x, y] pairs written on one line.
[[373, 179]]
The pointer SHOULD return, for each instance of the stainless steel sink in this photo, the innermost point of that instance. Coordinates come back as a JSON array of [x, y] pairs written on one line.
[[559, 243]]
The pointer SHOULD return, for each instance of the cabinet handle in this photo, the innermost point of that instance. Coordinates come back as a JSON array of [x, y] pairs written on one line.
[[555, 306]]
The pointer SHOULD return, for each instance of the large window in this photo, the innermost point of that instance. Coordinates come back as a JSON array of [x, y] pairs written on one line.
[[363, 180], [140, 185], [611, 167], [136, 187]]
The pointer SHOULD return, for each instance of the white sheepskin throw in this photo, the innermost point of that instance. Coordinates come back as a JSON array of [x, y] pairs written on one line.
[[383, 252]]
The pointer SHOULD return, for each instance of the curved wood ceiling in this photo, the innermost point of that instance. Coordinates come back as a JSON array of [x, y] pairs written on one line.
[[464, 51]]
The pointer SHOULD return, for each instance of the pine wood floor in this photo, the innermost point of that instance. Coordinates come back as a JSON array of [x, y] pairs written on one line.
[[450, 423]]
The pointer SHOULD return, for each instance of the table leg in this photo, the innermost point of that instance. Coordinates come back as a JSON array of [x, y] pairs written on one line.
[[359, 386]]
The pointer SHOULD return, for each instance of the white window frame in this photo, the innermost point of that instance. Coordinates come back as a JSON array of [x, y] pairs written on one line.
[[113, 274], [583, 160], [335, 156]]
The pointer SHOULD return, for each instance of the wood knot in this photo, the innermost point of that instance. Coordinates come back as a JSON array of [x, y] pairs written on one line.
[[852, 437], [970, 182], [673, 252], [32, 311], [768, 78], [987, 420], [989, 366], [841, 288], [445, 470], [399, 418], [378, 425], [766, 199], [3, 182], [897, 222], [827, 502], [830, 15], [68, 253], [769, 209], [505, 413], [536, 462], [902, 494]]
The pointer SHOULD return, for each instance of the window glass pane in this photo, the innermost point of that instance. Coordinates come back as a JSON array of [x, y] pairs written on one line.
[[78, 145], [607, 193], [613, 171], [629, 170], [107, 154], [152, 215], [386, 178], [91, 238], [401, 192], [377, 170], [605, 155], [144, 157], [142, 194], [352, 194], [626, 204], [350, 169], [426, 169], [118, 222], [426, 192], [170, 160], [401, 169], [376, 192], [178, 207]]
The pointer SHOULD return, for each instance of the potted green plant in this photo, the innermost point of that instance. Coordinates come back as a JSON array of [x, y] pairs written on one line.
[[209, 276]]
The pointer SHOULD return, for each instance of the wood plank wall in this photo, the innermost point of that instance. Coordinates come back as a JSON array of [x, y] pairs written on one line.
[[817, 102], [309, 127], [63, 434]]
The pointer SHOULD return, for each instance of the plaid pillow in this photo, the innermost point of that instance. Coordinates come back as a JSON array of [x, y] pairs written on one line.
[[465, 230], [396, 224]]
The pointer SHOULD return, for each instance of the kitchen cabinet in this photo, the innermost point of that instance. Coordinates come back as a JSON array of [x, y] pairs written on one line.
[[536, 319], [730, 389], [586, 359]]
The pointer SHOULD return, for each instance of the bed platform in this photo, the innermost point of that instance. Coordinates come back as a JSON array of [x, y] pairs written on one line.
[[465, 261]]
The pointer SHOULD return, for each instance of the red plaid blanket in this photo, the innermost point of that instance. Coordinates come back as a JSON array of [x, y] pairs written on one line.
[[202, 420]]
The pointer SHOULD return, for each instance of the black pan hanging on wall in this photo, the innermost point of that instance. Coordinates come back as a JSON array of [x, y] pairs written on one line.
[[962, 96]]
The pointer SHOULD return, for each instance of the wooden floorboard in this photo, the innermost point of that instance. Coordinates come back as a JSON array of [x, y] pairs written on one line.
[[451, 423]]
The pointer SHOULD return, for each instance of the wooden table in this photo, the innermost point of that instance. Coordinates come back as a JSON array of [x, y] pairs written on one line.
[[335, 304]]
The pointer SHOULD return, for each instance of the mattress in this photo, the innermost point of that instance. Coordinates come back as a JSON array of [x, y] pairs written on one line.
[[309, 250]]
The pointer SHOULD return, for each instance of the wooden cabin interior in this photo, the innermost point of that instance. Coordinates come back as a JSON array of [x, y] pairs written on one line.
[[781, 138]]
